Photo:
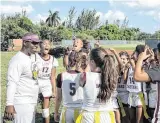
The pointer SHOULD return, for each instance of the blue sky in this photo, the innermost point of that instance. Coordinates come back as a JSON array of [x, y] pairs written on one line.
[[140, 13]]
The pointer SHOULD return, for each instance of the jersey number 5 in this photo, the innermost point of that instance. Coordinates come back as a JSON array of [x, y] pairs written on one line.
[[72, 88]]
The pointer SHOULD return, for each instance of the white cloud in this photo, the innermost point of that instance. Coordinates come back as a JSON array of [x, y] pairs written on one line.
[[11, 9], [143, 3], [39, 17], [24, 1], [152, 13], [114, 15]]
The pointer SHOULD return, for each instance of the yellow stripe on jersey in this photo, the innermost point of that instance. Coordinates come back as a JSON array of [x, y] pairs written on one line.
[[143, 105], [121, 106]]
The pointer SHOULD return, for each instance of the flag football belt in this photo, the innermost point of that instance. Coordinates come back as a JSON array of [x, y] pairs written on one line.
[[97, 117], [76, 114], [143, 105], [121, 106]]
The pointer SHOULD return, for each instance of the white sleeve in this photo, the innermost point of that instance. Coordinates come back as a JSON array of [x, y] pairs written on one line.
[[55, 62], [13, 77]]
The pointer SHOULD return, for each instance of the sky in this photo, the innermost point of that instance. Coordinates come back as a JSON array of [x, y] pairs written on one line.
[[143, 14]]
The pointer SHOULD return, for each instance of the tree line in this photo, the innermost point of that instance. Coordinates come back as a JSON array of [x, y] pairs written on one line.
[[86, 25]]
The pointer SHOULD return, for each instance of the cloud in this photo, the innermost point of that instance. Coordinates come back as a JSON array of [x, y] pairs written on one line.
[[148, 4], [39, 17], [152, 13], [114, 15], [12, 9]]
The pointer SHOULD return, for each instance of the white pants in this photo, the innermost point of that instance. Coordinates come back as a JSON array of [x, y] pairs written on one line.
[[45, 87], [69, 115], [88, 117], [25, 113]]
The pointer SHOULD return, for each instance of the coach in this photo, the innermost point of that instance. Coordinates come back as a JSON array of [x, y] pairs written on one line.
[[22, 86], [151, 75]]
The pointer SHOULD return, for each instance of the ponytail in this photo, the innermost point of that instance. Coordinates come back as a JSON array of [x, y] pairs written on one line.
[[109, 77]]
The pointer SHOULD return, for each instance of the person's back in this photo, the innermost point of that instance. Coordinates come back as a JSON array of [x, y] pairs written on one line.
[[69, 91], [98, 87], [72, 93], [91, 90]]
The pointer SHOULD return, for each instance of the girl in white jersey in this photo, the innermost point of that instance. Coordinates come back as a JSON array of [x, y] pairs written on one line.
[[98, 86], [68, 89], [46, 79], [136, 96], [121, 87]]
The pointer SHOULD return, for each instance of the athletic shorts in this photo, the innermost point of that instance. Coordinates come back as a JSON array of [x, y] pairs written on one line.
[[114, 100], [69, 115], [25, 113], [45, 88], [124, 96], [134, 100], [91, 117]]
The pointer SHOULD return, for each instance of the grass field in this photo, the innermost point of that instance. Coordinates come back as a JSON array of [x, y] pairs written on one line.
[[6, 56]]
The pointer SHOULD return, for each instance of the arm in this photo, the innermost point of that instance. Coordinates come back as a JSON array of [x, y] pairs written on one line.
[[58, 97], [53, 76], [132, 63], [57, 103], [53, 81], [139, 74], [117, 57], [13, 77]]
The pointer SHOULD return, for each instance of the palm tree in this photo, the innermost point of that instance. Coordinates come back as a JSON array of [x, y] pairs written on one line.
[[53, 19]]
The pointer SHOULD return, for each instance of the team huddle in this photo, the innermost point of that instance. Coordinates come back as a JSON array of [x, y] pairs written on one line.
[[98, 86]]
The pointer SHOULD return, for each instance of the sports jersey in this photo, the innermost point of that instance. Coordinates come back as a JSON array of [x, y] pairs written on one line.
[[121, 85], [72, 93], [132, 85], [122, 90], [91, 90], [45, 66]]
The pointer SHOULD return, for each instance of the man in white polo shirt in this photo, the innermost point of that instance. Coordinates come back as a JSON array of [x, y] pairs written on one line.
[[22, 86]]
